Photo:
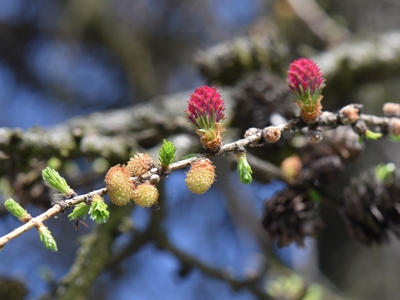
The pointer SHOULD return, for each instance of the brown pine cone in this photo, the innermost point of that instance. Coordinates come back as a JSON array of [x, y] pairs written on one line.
[[259, 96], [290, 216], [371, 207]]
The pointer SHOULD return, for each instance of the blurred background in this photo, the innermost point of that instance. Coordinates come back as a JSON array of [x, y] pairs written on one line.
[[66, 59]]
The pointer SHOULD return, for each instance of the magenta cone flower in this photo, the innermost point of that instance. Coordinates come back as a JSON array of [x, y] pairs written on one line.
[[306, 81], [205, 107], [206, 111]]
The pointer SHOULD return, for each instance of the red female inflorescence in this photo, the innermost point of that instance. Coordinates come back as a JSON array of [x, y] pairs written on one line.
[[206, 111], [205, 107], [306, 81]]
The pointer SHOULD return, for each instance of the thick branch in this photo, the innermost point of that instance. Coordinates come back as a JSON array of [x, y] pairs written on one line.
[[319, 22], [92, 257], [115, 134], [355, 62], [345, 66], [112, 135], [250, 284]]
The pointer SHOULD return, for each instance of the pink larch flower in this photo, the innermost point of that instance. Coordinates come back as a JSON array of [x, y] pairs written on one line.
[[306, 81], [205, 107], [206, 111]]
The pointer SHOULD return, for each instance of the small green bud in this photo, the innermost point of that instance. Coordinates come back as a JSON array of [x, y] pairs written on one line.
[[98, 210], [54, 163], [394, 138], [80, 211], [47, 238], [288, 287], [314, 196], [100, 165], [372, 135], [382, 171], [314, 292], [16, 210], [244, 169], [57, 182], [167, 154]]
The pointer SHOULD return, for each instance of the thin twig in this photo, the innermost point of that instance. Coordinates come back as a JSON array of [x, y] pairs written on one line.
[[328, 120], [56, 210]]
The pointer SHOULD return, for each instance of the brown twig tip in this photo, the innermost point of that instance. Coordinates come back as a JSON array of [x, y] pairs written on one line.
[[212, 142], [309, 112], [314, 135], [349, 114], [391, 109], [26, 218], [291, 168], [271, 134], [251, 131], [394, 126], [360, 127], [39, 225]]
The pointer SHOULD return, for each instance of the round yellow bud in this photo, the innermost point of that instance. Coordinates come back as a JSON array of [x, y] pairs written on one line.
[[119, 187], [140, 164], [145, 195], [200, 176]]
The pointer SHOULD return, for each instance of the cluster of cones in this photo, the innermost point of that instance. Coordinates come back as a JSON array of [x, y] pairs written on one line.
[[293, 213], [371, 206]]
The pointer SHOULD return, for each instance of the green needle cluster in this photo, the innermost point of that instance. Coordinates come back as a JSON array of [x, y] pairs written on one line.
[[47, 238], [16, 209], [44, 233], [98, 210], [54, 180], [244, 169], [167, 154], [372, 135], [80, 211]]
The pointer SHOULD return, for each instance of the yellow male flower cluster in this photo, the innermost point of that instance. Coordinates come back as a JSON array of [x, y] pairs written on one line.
[[122, 190]]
